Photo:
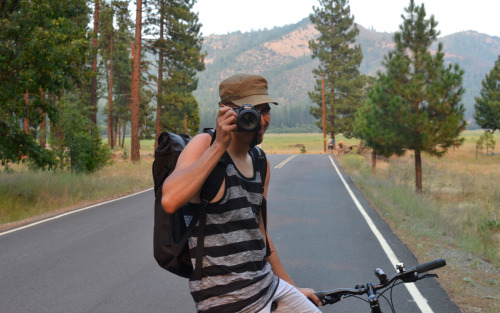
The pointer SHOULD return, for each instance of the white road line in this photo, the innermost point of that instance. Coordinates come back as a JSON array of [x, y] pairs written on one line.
[[71, 212], [285, 162], [412, 289]]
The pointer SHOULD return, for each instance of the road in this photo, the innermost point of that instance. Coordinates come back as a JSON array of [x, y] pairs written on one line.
[[99, 259]]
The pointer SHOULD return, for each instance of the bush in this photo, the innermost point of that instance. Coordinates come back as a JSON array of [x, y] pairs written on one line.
[[77, 141]]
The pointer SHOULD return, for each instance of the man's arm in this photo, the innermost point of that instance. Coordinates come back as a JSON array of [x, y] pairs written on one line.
[[274, 259], [196, 162]]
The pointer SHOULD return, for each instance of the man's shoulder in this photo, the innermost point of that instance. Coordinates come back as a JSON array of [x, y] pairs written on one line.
[[197, 145], [201, 139]]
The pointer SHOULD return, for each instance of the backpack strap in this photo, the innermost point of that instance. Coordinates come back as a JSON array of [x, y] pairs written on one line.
[[208, 192], [261, 162]]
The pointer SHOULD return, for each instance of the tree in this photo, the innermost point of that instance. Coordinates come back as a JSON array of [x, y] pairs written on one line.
[[487, 106], [339, 58], [418, 98], [178, 45], [372, 126], [136, 86], [44, 47], [114, 41], [486, 139], [93, 83], [80, 147], [122, 69], [106, 46]]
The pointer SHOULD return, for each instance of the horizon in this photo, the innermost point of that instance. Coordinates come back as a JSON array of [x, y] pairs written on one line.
[[220, 17], [358, 24]]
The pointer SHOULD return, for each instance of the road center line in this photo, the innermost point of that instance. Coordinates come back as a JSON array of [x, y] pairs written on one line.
[[285, 162], [70, 212], [412, 289]]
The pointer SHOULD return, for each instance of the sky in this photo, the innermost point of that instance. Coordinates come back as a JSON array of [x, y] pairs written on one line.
[[223, 16]]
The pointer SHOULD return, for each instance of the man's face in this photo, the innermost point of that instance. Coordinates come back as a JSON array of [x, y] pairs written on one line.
[[265, 118]]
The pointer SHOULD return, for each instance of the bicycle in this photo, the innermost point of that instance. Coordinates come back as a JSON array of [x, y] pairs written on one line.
[[386, 284]]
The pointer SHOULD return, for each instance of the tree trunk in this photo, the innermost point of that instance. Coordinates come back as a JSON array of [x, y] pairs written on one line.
[[118, 132], [116, 125], [160, 78], [43, 130], [332, 86], [124, 131], [136, 75], [93, 82], [374, 161], [110, 96], [26, 121], [418, 171], [43, 124]]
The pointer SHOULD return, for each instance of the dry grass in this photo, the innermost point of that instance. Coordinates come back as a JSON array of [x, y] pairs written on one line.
[[26, 195], [293, 143], [456, 217]]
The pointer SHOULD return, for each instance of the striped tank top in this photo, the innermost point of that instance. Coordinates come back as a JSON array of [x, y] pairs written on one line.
[[236, 277]]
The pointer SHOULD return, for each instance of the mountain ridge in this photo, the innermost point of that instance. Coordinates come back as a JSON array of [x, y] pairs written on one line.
[[282, 56]]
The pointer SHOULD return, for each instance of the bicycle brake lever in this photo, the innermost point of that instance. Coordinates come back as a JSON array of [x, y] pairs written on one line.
[[410, 277], [331, 299], [427, 276]]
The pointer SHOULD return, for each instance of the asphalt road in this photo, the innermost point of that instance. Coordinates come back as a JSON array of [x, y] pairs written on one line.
[[100, 259]]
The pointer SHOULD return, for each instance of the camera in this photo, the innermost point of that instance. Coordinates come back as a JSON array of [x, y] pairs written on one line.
[[248, 118]]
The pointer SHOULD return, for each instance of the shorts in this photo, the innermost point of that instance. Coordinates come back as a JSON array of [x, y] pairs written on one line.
[[290, 300]]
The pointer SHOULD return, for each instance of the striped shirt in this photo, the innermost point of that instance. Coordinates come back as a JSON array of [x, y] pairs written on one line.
[[236, 277]]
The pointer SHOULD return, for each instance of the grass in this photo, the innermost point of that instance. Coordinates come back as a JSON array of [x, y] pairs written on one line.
[[26, 194], [460, 200], [312, 143], [457, 216]]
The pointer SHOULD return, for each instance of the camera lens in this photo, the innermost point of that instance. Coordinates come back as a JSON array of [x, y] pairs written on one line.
[[249, 120]]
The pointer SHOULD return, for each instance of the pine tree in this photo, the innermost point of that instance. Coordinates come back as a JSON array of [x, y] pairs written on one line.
[[93, 82], [123, 69], [371, 125], [339, 58], [418, 98], [487, 106], [178, 45], [114, 40]]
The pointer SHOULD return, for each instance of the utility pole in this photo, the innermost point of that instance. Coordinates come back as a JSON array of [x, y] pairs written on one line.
[[323, 105]]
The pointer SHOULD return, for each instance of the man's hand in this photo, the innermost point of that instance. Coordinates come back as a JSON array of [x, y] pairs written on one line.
[[309, 293], [226, 124]]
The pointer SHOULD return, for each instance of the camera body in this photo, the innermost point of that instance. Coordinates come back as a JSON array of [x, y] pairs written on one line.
[[248, 118]]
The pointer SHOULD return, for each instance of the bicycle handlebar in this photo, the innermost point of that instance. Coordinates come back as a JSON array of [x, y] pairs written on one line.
[[429, 266], [411, 275]]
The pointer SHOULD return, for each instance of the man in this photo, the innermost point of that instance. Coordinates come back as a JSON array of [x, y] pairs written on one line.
[[331, 145], [237, 274]]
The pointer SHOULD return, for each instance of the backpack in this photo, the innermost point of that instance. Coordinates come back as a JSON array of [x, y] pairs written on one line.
[[170, 236]]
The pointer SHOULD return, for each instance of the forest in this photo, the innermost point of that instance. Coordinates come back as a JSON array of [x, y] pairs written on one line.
[[107, 72]]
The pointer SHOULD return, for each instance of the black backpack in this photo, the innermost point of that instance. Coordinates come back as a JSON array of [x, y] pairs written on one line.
[[170, 238]]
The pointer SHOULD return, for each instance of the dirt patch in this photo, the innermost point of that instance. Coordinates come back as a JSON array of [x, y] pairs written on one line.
[[472, 283], [294, 44]]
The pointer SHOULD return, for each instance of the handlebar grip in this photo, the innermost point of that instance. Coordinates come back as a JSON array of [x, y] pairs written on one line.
[[429, 266], [319, 294]]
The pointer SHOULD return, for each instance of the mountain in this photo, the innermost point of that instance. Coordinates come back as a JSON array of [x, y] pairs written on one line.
[[282, 56]]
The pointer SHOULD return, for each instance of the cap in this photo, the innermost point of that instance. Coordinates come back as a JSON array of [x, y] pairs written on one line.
[[244, 89]]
